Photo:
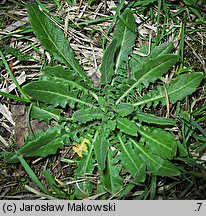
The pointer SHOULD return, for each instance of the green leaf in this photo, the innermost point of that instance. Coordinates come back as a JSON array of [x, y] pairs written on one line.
[[155, 68], [124, 109], [125, 37], [85, 167], [127, 126], [44, 144], [51, 92], [102, 104], [111, 179], [85, 115], [155, 163], [177, 90], [181, 151], [59, 71], [137, 61], [160, 50], [152, 119], [131, 160], [111, 124], [184, 86], [59, 74], [101, 146], [13, 97], [144, 3], [151, 71], [108, 62], [159, 142], [53, 39], [46, 113]]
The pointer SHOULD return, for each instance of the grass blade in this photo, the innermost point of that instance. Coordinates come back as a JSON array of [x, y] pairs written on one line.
[[32, 175], [13, 77]]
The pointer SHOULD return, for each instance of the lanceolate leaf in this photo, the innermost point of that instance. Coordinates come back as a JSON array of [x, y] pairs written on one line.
[[159, 142], [125, 37], [108, 62], [155, 68], [45, 144], [177, 90], [85, 115], [53, 39], [131, 160], [127, 126], [101, 146], [184, 86], [52, 92], [151, 71], [155, 120], [137, 61], [155, 163], [111, 179]]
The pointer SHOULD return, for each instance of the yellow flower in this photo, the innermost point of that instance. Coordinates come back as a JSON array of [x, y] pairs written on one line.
[[79, 147]]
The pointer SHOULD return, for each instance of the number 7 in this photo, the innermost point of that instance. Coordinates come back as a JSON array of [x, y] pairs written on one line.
[[200, 204]]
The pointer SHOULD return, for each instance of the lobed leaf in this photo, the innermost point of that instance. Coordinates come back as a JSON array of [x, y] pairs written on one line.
[[136, 62], [53, 39], [151, 71], [85, 115], [51, 92], [65, 76], [45, 113], [183, 86], [155, 68], [43, 145]]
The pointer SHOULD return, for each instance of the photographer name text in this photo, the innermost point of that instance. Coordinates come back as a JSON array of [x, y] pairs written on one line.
[[71, 207]]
